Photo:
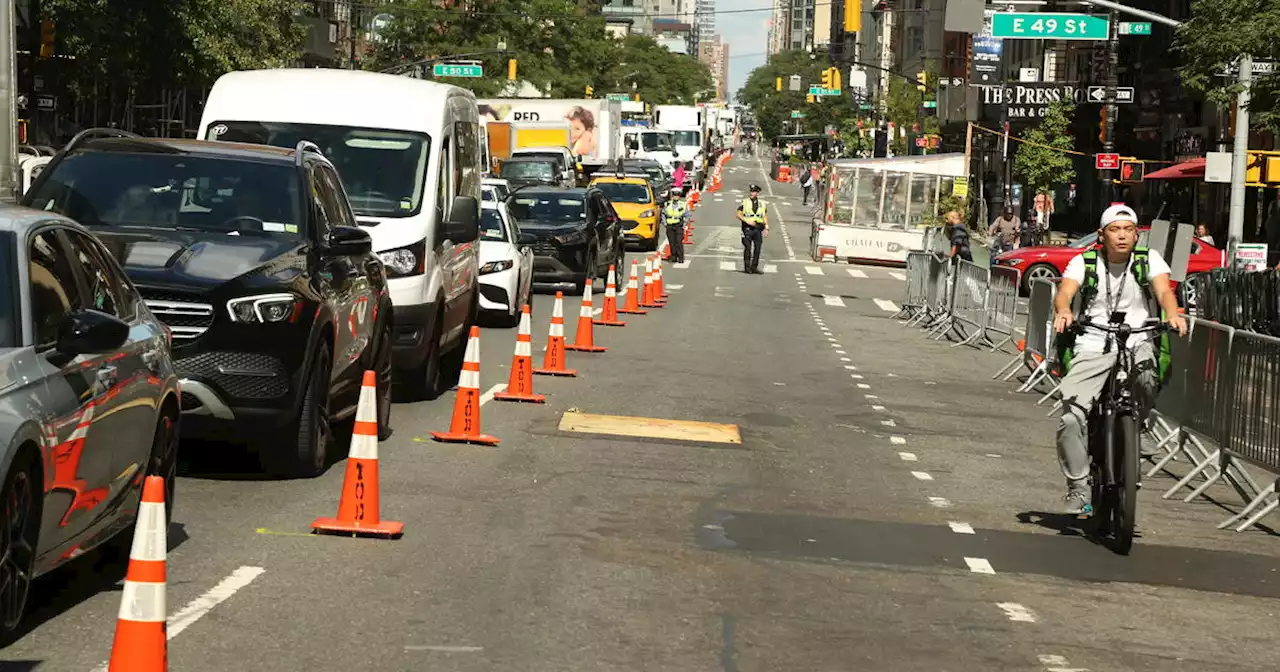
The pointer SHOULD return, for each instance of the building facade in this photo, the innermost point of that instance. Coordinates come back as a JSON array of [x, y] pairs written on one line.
[[673, 35], [779, 26], [715, 55]]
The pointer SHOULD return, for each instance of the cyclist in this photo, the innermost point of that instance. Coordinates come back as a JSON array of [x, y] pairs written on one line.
[[1120, 281]]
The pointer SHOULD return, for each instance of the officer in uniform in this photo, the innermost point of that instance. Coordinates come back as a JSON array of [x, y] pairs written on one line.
[[755, 228], [676, 216]]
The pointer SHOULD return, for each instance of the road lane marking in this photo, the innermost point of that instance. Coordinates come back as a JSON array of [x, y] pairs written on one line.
[[675, 286], [845, 359], [1058, 664], [922, 475], [877, 408], [888, 423], [979, 566], [863, 386], [833, 300], [857, 273], [870, 396], [813, 270], [488, 395], [841, 352], [770, 268], [835, 345], [831, 339], [887, 305], [1016, 612], [728, 266], [898, 440], [908, 457], [850, 367], [683, 264], [897, 276], [444, 649], [940, 502], [856, 376], [960, 528]]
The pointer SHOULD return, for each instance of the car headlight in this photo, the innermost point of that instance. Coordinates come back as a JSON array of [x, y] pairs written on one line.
[[1011, 262], [263, 308], [496, 266], [649, 213], [575, 238], [405, 261]]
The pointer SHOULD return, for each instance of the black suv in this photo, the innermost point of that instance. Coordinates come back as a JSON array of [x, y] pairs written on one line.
[[524, 171], [575, 233], [252, 257]]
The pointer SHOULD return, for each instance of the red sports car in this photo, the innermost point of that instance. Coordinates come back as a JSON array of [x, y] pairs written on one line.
[[1049, 262]]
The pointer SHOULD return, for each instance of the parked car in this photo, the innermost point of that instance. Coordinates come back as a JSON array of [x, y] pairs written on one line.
[[506, 265], [531, 171], [575, 233], [658, 176], [1050, 261], [494, 189], [567, 164], [88, 404], [634, 200], [252, 256]]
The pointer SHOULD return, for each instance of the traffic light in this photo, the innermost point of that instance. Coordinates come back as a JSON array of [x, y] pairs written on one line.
[[826, 78], [922, 81], [778, 84], [852, 16], [833, 79], [511, 69], [1132, 171], [1102, 125], [809, 98], [46, 38], [591, 90]]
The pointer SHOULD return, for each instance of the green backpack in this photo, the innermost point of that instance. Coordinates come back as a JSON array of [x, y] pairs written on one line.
[[1089, 291]]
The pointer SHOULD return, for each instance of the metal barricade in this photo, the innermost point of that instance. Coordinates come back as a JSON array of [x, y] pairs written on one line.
[[1002, 306], [1249, 411], [968, 301], [1037, 350], [917, 294], [937, 293]]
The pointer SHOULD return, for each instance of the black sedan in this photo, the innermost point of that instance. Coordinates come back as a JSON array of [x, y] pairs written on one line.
[[575, 233]]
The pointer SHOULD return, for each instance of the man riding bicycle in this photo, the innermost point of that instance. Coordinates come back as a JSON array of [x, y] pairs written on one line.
[[1121, 281]]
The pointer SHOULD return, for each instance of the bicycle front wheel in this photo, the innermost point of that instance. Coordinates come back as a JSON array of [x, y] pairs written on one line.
[[1126, 513]]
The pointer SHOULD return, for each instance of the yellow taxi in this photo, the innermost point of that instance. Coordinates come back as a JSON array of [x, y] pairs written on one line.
[[633, 199]]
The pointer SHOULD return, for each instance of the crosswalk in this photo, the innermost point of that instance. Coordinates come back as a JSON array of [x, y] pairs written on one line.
[[806, 268]]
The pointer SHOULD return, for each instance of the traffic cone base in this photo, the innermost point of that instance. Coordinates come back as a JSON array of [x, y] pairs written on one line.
[[527, 398], [566, 373], [609, 323], [586, 348], [359, 508], [628, 311]]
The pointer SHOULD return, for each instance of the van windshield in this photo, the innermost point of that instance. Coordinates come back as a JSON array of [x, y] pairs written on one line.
[[688, 138], [384, 172], [655, 142]]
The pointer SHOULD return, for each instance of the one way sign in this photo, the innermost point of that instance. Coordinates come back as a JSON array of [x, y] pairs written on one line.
[[1098, 94]]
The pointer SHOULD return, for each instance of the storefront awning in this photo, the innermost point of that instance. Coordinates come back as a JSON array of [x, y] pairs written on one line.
[[1190, 170]]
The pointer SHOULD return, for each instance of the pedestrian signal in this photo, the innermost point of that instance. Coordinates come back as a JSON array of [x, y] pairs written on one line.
[[1132, 171]]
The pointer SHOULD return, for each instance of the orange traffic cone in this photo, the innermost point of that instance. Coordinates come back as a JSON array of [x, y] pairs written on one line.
[[466, 408], [609, 315], [632, 306], [553, 362], [520, 385], [359, 512], [141, 641], [584, 340], [649, 298], [666, 250], [660, 291]]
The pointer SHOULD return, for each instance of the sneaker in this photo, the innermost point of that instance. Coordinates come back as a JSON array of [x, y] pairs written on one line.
[[1076, 503]]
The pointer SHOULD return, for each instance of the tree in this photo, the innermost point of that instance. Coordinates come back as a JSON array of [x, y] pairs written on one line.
[[773, 108], [1219, 32], [1043, 162]]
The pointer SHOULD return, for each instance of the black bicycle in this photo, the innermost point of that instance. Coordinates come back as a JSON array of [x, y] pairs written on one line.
[[1114, 435]]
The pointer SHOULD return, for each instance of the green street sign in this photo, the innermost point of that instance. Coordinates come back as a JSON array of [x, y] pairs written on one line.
[[819, 91], [797, 114], [930, 104], [457, 70], [1045, 26], [624, 97], [864, 106], [1135, 28]]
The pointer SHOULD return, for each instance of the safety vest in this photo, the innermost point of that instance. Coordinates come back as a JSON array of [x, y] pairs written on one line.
[[674, 212], [1140, 269], [755, 216]]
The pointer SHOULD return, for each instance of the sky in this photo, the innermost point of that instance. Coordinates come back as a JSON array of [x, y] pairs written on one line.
[[747, 33]]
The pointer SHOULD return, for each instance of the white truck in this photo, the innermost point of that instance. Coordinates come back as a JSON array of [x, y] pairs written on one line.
[[595, 125], [687, 124]]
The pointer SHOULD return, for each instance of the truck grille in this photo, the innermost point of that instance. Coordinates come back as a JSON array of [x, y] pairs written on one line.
[[545, 248], [187, 319]]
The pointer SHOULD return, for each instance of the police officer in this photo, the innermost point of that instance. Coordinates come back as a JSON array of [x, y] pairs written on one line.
[[755, 228], [676, 216]]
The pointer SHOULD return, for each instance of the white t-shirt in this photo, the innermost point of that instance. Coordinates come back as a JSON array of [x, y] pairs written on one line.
[[1117, 290]]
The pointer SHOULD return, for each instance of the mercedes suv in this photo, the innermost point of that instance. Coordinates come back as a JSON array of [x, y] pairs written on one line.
[[252, 257], [575, 233]]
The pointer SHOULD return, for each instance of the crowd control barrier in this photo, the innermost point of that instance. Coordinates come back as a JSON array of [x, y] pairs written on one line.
[[1219, 411]]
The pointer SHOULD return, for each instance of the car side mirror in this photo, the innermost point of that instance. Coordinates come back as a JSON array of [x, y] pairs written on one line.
[[464, 220], [348, 241], [91, 332]]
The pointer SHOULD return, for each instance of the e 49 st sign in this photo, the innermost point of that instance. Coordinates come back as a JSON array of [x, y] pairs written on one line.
[[1046, 26]]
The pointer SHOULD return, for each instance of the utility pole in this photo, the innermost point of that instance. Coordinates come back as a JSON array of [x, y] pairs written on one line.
[[9, 101], [1239, 159], [1113, 75]]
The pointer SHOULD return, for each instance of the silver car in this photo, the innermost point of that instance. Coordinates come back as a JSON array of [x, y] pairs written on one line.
[[89, 401]]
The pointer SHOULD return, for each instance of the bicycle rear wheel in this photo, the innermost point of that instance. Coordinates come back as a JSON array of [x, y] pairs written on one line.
[[1125, 516]]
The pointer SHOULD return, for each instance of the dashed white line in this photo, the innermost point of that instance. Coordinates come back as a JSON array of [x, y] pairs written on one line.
[[831, 300], [1055, 663], [675, 286], [898, 440], [863, 386], [728, 266], [888, 423], [770, 268], [488, 395], [940, 502], [979, 566], [960, 528], [857, 376], [444, 649], [857, 274], [922, 475], [897, 276], [845, 359], [849, 366], [1016, 612], [877, 408], [813, 270], [835, 345], [870, 396], [908, 457], [841, 352], [887, 305]]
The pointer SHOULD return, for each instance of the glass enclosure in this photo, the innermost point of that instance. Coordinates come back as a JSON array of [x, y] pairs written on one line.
[[882, 198]]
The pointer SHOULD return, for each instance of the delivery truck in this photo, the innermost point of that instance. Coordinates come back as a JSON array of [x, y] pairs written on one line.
[[594, 126]]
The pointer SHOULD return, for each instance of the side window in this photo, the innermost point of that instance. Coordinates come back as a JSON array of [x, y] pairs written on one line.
[[321, 203], [443, 202], [593, 208], [108, 291], [338, 198], [466, 137], [54, 293]]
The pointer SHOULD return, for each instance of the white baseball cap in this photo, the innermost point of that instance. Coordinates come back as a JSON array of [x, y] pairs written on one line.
[[1118, 213]]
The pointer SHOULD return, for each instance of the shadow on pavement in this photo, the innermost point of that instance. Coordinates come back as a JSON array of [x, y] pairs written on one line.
[[19, 665]]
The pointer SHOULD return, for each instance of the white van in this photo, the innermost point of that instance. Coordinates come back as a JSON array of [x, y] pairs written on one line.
[[408, 152]]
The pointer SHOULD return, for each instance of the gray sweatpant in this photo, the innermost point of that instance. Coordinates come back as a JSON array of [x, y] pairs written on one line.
[[1080, 389]]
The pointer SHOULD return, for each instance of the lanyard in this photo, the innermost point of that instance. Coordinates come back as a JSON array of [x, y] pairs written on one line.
[[1113, 298]]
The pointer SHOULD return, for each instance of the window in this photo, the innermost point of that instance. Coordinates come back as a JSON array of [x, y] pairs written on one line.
[[322, 203], [626, 193], [333, 185], [491, 225], [529, 170], [108, 292], [466, 138], [9, 297], [546, 207], [54, 293]]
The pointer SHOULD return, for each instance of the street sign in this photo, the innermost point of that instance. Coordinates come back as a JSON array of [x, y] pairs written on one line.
[[1135, 28], [624, 97], [930, 104], [1106, 161], [797, 114], [819, 91], [864, 106], [1098, 94], [1045, 26], [1259, 68], [457, 70], [46, 103]]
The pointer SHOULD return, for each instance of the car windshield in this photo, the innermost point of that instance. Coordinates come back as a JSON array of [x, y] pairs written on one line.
[[175, 191], [8, 296], [688, 139], [528, 170], [655, 173], [384, 172], [546, 208], [1085, 241], [652, 142], [625, 193], [554, 157], [491, 225]]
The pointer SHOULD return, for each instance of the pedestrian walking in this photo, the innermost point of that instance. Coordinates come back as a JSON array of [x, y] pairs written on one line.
[[1004, 232], [678, 177], [806, 183], [755, 228], [676, 217], [959, 237]]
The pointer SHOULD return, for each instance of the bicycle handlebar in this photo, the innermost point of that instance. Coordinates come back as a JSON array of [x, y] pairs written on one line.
[[1149, 325]]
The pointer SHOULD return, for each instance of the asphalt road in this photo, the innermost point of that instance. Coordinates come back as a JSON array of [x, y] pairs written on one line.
[[888, 508]]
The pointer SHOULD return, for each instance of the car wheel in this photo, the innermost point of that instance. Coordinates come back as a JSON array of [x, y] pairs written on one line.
[[589, 274], [164, 456], [382, 368], [19, 529], [425, 381], [303, 452], [1038, 272]]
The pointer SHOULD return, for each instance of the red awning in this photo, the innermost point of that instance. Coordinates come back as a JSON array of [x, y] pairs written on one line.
[[1190, 170]]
